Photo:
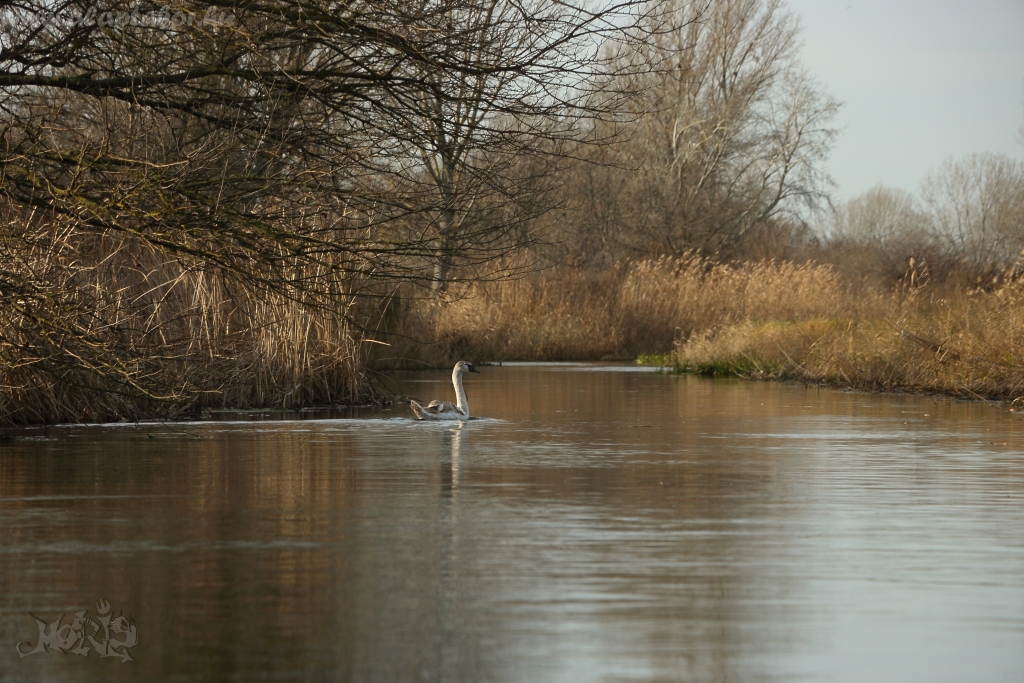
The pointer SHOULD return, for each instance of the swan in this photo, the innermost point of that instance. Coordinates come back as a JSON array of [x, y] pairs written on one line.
[[443, 410]]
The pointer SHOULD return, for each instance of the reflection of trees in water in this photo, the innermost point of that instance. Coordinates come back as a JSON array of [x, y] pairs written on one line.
[[214, 540]]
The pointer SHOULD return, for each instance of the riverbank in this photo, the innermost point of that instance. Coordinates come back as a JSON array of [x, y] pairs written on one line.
[[964, 346], [765, 320], [640, 307]]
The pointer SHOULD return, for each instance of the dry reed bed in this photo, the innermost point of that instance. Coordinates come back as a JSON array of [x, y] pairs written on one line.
[[962, 344], [107, 329], [118, 332], [766, 320], [636, 308]]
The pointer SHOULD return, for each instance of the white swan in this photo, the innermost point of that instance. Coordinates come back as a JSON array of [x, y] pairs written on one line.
[[443, 410]]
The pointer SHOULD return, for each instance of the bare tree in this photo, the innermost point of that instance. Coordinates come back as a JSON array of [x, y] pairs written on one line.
[[328, 106], [877, 234], [732, 136], [490, 139], [976, 206]]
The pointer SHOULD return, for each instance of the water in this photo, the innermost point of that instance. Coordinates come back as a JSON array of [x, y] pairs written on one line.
[[599, 524]]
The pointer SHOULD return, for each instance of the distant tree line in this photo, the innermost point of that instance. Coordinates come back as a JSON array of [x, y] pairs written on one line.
[[965, 223]]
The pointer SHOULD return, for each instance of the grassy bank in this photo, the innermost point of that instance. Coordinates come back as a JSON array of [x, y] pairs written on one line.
[[173, 342], [763, 320], [953, 342]]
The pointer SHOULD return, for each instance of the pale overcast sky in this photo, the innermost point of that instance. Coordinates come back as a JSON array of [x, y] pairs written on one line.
[[921, 80]]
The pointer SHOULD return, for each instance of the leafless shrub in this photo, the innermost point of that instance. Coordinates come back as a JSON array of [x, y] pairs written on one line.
[[875, 238], [976, 206]]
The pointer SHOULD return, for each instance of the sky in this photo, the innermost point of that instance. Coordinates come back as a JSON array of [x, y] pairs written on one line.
[[920, 81]]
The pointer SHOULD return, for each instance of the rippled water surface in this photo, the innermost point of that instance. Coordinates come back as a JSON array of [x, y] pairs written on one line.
[[599, 524]]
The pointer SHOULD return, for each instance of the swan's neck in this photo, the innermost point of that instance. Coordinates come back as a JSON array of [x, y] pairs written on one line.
[[460, 393]]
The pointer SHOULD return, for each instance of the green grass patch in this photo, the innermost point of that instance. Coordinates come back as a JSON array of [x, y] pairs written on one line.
[[737, 366], [662, 360]]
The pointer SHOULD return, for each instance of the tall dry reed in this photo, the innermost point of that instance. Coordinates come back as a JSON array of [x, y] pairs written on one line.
[[764, 319], [961, 342], [634, 308], [104, 327]]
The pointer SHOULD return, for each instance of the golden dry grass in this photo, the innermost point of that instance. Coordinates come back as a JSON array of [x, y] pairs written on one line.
[[263, 353], [767, 320], [109, 329], [962, 343], [640, 307], [167, 341]]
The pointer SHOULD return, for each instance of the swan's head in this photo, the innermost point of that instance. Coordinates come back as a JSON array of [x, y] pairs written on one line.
[[462, 366]]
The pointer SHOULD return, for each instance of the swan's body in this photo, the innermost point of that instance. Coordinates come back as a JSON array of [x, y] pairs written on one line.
[[443, 410]]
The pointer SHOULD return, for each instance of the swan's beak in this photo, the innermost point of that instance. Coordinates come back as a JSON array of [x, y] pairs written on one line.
[[472, 369]]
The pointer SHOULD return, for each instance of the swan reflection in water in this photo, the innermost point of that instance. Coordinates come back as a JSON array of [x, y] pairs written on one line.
[[450, 466]]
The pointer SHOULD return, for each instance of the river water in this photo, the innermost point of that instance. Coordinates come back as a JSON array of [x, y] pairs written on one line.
[[595, 524]]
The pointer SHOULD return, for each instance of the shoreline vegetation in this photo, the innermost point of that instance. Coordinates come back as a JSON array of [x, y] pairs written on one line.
[[100, 342], [760, 320]]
